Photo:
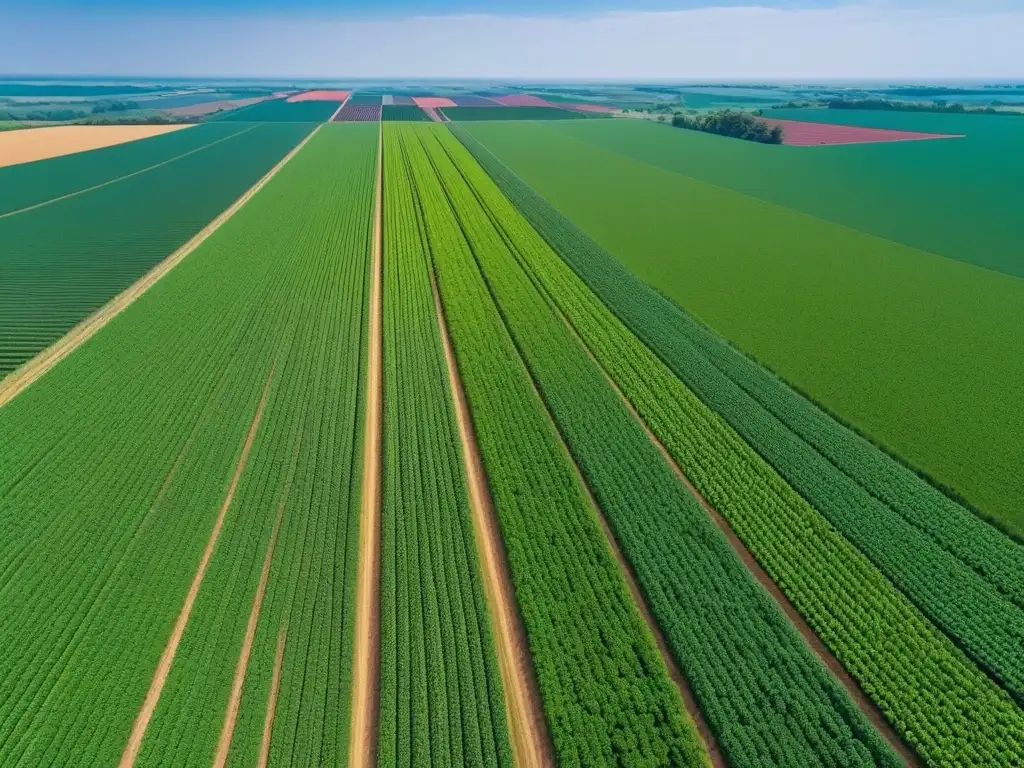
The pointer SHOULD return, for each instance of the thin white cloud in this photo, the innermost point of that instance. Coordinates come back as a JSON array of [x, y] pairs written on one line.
[[860, 41]]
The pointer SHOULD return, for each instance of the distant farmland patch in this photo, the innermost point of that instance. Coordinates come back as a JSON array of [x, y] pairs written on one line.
[[358, 113], [406, 114], [474, 101], [209, 107], [432, 102], [319, 96], [284, 111], [522, 100], [800, 134], [460, 114], [33, 144]]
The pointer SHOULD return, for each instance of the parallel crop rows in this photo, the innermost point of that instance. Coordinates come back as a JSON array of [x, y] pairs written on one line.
[[119, 462], [606, 695], [62, 261], [441, 700], [940, 702], [748, 666]]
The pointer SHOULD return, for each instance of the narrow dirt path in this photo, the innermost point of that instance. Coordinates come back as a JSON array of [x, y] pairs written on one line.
[[139, 172], [275, 688], [531, 744], [235, 699], [38, 366], [366, 655], [338, 110], [131, 750], [839, 673]]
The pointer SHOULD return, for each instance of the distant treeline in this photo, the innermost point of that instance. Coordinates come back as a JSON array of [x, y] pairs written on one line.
[[64, 114], [913, 106], [733, 123], [931, 91]]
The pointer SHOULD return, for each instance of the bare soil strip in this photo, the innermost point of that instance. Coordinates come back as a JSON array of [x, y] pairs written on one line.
[[78, 192], [231, 712], [366, 661], [32, 144], [163, 668], [839, 673], [531, 745], [34, 369], [275, 687]]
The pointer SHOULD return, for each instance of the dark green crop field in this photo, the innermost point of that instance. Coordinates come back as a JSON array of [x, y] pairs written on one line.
[[62, 261], [923, 354], [282, 111], [29, 184]]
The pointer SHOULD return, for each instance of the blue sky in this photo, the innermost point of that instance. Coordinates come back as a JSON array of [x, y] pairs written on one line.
[[529, 39]]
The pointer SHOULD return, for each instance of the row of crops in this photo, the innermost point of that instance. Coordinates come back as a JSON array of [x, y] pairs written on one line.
[[219, 413], [904, 586], [441, 699], [103, 219], [606, 694]]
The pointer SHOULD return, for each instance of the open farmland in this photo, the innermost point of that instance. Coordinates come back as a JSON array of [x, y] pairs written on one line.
[[920, 353], [32, 144], [356, 433], [74, 247], [228, 428]]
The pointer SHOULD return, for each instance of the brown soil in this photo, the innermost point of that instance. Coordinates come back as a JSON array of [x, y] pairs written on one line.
[[163, 668], [31, 144], [275, 687], [78, 192], [35, 368], [839, 673], [366, 661], [231, 712], [531, 744]]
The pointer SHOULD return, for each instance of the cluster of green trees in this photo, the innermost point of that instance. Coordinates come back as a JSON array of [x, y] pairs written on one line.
[[731, 122]]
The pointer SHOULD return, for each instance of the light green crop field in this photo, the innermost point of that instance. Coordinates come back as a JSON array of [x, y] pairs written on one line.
[[922, 353], [954, 197]]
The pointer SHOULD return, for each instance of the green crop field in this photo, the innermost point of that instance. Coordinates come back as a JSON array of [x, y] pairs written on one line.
[[511, 438], [281, 111], [70, 255], [429, 562], [474, 114], [917, 351], [399, 113], [210, 394]]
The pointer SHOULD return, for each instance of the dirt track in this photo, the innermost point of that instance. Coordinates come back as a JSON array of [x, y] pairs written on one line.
[[35, 368], [163, 668], [275, 687], [366, 654], [527, 728], [30, 144], [231, 711]]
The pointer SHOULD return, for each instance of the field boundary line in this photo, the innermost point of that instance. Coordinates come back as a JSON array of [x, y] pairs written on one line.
[[835, 668], [340, 107], [31, 371], [237, 683], [107, 183], [525, 714], [275, 688], [366, 653], [163, 668]]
